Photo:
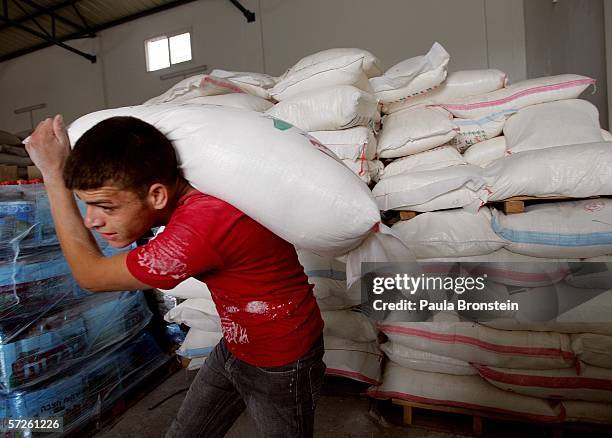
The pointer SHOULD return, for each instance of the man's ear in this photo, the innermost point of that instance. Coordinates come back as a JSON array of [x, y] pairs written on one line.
[[158, 196]]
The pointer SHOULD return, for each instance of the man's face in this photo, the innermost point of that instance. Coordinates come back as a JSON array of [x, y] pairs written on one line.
[[119, 216]]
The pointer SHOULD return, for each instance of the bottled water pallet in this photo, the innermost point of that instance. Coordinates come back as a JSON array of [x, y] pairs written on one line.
[[472, 422]]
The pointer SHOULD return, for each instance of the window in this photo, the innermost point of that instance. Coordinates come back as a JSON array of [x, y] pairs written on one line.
[[163, 51]]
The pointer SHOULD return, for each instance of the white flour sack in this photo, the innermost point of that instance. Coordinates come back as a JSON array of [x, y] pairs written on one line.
[[414, 130], [579, 229], [458, 84], [190, 288], [322, 61], [592, 384], [234, 100], [412, 76], [423, 361], [433, 159], [198, 344], [474, 131], [359, 361], [606, 135], [577, 171], [451, 187], [587, 412], [196, 313], [481, 154], [593, 349], [327, 108], [520, 95], [351, 144], [561, 123], [470, 392], [475, 343], [452, 233], [349, 324], [344, 70], [264, 167], [366, 170]]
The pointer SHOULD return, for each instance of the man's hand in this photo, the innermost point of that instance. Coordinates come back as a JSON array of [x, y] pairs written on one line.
[[49, 146]]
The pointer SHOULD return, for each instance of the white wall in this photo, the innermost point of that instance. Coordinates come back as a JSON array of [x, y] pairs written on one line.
[[477, 34], [568, 37]]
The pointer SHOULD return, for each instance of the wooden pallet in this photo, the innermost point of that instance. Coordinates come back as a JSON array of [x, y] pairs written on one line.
[[458, 420], [513, 205]]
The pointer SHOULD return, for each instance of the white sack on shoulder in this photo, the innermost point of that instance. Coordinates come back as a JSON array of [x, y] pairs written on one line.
[[561, 123], [325, 59], [464, 186], [458, 84], [481, 154], [432, 159], [577, 171], [414, 130], [452, 233], [520, 95], [412, 76], [353, 143], [328, 108]]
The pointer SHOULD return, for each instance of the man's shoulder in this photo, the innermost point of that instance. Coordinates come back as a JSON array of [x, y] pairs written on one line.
[[204, 207]]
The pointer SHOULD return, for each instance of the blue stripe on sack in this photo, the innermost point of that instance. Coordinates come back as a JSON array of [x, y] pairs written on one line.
[[326, 273], [491, 118], [553, 239]]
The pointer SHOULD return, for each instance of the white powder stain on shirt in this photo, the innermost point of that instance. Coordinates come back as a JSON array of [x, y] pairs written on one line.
[[259, 307], [165, 259], [232, 309], [233, 332]]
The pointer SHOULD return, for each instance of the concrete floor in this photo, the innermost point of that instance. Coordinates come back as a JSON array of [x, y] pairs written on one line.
[[342, 412]]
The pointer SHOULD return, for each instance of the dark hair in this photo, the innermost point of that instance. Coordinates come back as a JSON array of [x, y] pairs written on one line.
[[122, 151]]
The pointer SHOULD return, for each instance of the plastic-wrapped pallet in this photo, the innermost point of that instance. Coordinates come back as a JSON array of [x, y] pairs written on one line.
[[470, 392], [62, 339], [412, 76], [84, 392], [458, 84]]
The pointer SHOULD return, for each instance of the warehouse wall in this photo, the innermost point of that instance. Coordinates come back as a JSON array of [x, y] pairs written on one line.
[[477, 34], [608, 36], [568, 37]]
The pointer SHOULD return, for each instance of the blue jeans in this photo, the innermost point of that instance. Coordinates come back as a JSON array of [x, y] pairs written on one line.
[[281, 400]]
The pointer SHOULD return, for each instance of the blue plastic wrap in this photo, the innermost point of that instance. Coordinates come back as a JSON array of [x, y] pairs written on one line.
[[58, 341], [82, 394]]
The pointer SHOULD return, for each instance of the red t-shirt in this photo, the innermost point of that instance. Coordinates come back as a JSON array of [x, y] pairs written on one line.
[[268, 313]]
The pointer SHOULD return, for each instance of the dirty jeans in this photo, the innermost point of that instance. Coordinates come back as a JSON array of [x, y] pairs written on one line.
[[280, 400]]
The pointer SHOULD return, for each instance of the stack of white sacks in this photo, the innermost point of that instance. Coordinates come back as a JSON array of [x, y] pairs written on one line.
[[449, 159], [456, 141], [328, 94]]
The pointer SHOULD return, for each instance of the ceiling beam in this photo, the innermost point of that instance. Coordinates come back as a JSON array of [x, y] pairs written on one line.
[[95, 29], [35, 14]]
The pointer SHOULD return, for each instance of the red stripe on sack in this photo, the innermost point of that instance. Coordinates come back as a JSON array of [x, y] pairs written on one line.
[[352, 374], [527, 351], [228, 85], [527, 92], [545, 381], [453, 403]]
